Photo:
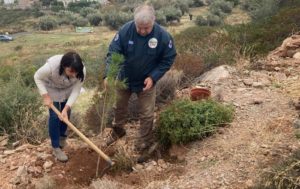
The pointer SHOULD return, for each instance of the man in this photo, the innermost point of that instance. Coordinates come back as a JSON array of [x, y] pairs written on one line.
[[149, 53]]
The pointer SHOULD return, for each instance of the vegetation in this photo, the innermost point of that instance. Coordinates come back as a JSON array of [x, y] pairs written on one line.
[[47, 23], [185, 121], [115, 19], [203, 48], [19, 108], [100, 113], [284, 175]]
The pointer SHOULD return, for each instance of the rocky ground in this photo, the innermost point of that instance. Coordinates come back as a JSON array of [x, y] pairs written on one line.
[[262, 133]]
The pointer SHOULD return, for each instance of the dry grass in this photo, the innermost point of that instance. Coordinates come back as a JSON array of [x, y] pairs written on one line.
[[237, 16], [104, 184], [123, 161], [167, 86]]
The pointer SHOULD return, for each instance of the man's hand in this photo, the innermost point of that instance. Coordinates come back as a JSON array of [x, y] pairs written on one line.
[[148, 83], [64, 113], [47, 100]]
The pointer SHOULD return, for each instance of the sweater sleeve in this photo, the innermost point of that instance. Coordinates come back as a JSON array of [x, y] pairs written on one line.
[[76, 90], [42, 73]]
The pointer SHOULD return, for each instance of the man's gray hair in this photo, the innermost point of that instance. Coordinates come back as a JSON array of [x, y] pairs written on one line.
[[144, 14]]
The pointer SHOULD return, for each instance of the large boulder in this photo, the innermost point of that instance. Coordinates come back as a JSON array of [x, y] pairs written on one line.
[[215, 75]]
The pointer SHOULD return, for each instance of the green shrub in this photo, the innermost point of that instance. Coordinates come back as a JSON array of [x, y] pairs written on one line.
[[158, 4], [78, 5], [213, 20], [182, 5], [95, 19], [65, 17], [172, 13], [13, 16], [185, 121], [196, 3], [234, 2], [80, 22], [201, 21], [56, 6], [225, 6], [19, 107], [26, 71], [262, 9], [115, 19], [47, 23], [160, 18], [260, 37], [86, 11]]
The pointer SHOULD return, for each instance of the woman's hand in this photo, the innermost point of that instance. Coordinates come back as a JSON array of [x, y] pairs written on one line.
[[47, 100], [64, 113]]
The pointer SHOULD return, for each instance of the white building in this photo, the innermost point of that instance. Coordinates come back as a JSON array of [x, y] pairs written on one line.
[[66, 2], [8, 2]]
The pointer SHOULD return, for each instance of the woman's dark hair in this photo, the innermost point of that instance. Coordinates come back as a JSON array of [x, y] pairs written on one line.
[[72, 60]]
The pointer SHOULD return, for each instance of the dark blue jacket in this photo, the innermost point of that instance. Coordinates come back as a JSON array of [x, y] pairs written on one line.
[[141, 59]]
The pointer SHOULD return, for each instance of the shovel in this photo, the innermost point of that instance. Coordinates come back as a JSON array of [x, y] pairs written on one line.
[[84, 138]]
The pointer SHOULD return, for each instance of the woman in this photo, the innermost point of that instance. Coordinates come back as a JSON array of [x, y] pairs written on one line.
[[59, 82]]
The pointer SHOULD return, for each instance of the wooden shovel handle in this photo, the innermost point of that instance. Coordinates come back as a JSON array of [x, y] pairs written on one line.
[[84, 138]]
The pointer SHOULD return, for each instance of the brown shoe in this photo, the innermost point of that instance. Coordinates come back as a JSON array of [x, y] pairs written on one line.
[[146, 155], [116, 133]]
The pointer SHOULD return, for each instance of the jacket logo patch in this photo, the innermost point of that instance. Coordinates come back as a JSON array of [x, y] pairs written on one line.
[[170, 44], [152, 43], [130, 42], [116, 37]]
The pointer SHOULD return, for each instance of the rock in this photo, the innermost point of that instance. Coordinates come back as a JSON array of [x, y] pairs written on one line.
[[277, 69], [161, 162], [280, 76], [22, 176], [15, 144], [257, 85], [249, 183], [246, 72], [47, 165], [248, 82], [138, 167], [153, 163], [258, 101], [21, 171], [215, 75], [35, 170], [202, 158], [3, 161], [13, 167], [4, 142], [9, 152], [296, 124], [264, 146], [297, 55], [149, 168], [42, 156]]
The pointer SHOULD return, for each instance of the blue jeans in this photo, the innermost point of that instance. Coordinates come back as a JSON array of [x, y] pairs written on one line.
[[57, 128]]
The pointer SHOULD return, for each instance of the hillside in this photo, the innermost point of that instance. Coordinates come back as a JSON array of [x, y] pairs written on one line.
[[248, 58]]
